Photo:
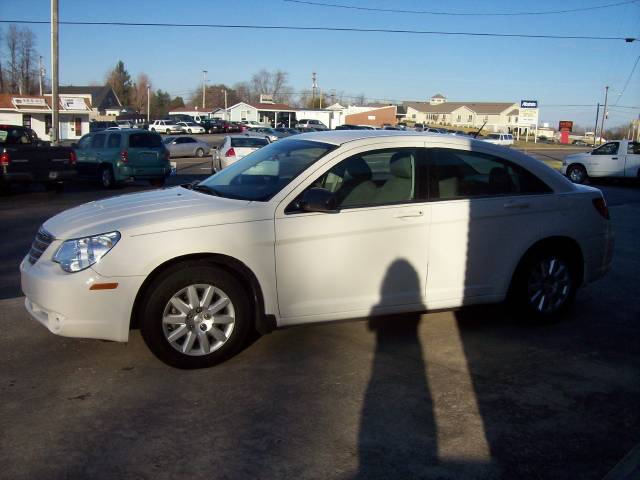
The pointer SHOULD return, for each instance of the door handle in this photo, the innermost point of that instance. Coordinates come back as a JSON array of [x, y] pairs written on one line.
[[409, 213], [614, 158], [517, 205]]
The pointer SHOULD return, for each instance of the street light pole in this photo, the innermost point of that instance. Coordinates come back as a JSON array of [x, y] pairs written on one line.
[[595, 130], [604, 112], [204, 87], [148, 103], [54, 73], [226, 113]]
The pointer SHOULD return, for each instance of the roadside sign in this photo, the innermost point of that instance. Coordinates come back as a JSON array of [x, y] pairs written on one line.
[[528, 104], [565, 126]]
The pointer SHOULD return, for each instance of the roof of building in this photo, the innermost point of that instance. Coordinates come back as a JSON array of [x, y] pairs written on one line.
[[271, 106], [513, 112], [97, 92], [7, 103], [486, 108], [438, 95]]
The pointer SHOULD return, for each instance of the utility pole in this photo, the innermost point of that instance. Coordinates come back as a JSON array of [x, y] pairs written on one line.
[[226, 114], [321, 99], [148, 103], [40, 73], [314, 86], [595, 130], [204, 87], [54, 74], [604, 112]]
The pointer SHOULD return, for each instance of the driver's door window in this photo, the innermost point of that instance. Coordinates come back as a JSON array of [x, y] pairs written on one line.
[[377, 177], [607, 149]]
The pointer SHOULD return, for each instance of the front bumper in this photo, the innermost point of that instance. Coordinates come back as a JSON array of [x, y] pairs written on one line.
[[64, 303]]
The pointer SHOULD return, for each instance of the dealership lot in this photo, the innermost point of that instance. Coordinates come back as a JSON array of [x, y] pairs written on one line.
[[468, 394]]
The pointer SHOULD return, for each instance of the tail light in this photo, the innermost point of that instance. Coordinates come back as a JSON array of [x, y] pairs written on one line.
[[601, 206], [124, 156], [72, 158], [5, 159], [230, 153]]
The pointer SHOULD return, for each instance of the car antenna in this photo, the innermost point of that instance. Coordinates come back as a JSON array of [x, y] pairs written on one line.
[[475, 135]]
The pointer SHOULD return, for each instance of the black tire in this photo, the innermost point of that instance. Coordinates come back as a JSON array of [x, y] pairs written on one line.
[[168, 284], [530, 287], [158, 182], [199, 153], [107, 180], [168, 131], [577, 173], [153, 129], [189, 130]]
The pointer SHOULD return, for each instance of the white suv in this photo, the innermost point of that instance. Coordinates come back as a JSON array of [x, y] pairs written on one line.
[[505, 139], [165, 126], [317, 227]]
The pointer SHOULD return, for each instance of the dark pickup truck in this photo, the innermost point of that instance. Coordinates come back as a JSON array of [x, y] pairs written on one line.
[[25, 158]]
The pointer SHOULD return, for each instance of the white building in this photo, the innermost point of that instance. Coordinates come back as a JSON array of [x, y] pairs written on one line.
[[35, 112]]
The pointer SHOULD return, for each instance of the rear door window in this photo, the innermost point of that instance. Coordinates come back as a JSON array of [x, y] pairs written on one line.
[[98, 140], [114, 140], [455, 174]]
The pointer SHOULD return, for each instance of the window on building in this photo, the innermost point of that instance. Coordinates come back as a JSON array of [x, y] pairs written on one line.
[[470, 118], [243, 115], [516, 119], [459, 118], [26, 120], [486, 118], [413, 115]]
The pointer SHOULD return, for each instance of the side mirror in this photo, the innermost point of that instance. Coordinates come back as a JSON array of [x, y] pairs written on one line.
[[318, 200]]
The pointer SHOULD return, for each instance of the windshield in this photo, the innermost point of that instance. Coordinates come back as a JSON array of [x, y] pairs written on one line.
[[263, 173]]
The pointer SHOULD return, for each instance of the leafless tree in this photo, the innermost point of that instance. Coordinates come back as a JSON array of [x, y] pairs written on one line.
[[27, 65], [13, 63], [139, 92]]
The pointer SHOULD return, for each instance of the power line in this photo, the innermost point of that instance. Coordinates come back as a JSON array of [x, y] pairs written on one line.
[[626, 84], [461, 14], [325, 29]]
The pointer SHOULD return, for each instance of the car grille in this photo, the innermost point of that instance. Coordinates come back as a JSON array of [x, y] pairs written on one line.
[[40, 243]]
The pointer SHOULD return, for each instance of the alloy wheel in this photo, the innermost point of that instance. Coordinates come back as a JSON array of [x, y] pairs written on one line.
[[549, 285], [198, 319]]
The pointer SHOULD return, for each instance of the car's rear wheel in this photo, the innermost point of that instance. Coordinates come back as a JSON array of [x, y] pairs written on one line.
[[195, 316], [107, 179], [189, 130], [577, 173], [199, 153], [545, 285]]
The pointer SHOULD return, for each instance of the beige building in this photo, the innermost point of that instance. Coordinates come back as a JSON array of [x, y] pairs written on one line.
[[497, 116]]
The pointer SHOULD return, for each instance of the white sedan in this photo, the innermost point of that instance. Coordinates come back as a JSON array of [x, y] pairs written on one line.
[[234, 148], [191, 127], [318, 227]]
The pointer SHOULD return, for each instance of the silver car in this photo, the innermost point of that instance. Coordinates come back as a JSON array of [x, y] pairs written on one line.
[[186, 147]]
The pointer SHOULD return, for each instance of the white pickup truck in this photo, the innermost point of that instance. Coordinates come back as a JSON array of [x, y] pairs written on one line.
[[619, 158]]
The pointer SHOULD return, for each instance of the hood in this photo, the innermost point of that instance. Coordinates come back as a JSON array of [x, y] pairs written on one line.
[[149, 212]]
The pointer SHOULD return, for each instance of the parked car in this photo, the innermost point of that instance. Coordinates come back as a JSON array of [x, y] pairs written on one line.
[[165, 126], [25, 158], [97, 126], [270, 133], [287, 131], [253, 124], [186, 147], [325, 227], [620, 158], [191, 127], [579, 143], [234, 148], [315, 124], [505, 139], [351, 127], [418, 127], [112, 157]]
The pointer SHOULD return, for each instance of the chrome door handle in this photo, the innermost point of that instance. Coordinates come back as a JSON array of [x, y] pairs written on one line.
[[409, 213], [517, 205]]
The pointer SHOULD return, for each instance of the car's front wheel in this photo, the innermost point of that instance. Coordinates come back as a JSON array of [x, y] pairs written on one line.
[[199, 153], [545, 285], [577, 173], [195, 316]]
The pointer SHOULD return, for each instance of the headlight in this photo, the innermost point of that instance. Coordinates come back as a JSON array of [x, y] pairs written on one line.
[[80, 253]]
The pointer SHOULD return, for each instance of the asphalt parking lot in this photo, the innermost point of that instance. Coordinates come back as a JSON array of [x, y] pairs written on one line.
[[452, 395]]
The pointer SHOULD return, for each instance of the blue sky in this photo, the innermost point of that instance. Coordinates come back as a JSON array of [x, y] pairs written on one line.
[[402, 67]]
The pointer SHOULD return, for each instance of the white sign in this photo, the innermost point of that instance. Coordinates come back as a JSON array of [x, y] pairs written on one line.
[[264, 98], [73, 103], [528, 116], [30, 102], [371, 117]]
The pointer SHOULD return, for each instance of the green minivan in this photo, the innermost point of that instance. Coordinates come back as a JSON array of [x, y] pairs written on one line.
[[120, 155]]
